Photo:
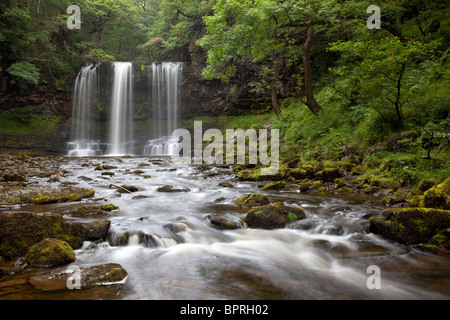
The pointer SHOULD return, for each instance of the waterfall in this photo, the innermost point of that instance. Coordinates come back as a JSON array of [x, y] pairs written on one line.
[[165, 88], [121, 121], [82, 142]]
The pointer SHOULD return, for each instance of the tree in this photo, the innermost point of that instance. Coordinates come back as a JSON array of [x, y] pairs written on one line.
[[268, 32], [377, 68]]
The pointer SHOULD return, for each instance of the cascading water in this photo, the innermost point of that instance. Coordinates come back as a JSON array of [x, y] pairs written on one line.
[[165, 87], [83, 143], [121, 122]]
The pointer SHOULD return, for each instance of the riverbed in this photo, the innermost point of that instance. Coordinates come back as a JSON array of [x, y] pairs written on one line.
[[328, 255]]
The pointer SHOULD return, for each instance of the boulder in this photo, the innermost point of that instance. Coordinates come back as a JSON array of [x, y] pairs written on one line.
[[273, 216], [105, 274], [438, 196], [410, 225], [169, 188], [278, 185], [96, 230], [50, 252], [328, 174], [222, 223], [252, 200], [20, 230]]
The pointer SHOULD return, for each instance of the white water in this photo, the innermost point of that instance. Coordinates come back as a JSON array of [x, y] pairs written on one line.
[[166, 80], [84, 122], [174, 253], [121, 122]]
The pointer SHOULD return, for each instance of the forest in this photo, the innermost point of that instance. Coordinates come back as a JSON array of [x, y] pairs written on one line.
[[359, 91]]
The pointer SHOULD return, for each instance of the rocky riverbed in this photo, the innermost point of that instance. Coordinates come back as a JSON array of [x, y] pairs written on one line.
[[106, 219]]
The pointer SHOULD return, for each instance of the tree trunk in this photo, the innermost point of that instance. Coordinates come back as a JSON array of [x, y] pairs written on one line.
[[311, 102], [273, 86]]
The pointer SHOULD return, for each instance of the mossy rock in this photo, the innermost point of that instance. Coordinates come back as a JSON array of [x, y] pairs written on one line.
[[438, 196], [43, 195], [109, 207], [96, 230], [326, 165], [14, 176], [328, 174], [410, 225], [221, 223], [416, 201], [20, 230], [344, 190], [50, 252], [86, 211], [441, 239], [302, 173], [252, 200], [103, 275], [169, 188], [278, 185], [273, 216], [249, 175], [426, 184], [225, 185]]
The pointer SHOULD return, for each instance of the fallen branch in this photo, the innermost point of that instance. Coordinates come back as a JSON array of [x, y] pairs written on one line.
[[122, 188]]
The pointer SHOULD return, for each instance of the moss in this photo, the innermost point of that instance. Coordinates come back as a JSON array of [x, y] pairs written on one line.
[[328, 174], [99, 167], [278, 185], [252, 200], [357, 170], [322, 189], [438, 196], [225, 184], [410, 225], [344, 190], [273, 216], [426, 184], [20, 230], [50, 252], [109, 207]]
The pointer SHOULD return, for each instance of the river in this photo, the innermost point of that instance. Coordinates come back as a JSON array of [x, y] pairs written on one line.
[[325, 256]]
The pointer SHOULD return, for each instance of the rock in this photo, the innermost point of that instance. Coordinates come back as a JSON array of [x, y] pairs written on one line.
[[20, 230], [438, 196], [103, 275], [176, 227], [328, 174], [344, 190], [43, 195], [278, 185], [50, 252], [96, 230], [222, 223], [169, 188], [441, 239], [426, 184], [273, 216], [14, 176], [225, 185], [252, 200], [129, 188], [109, 207], [85, 211], [410, 225]]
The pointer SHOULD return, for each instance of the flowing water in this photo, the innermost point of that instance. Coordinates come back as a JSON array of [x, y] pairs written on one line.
[[325, 256], [84, 121], [121, 122]]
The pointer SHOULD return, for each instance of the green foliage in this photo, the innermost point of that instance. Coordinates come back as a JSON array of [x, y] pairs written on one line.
[[24, 72]]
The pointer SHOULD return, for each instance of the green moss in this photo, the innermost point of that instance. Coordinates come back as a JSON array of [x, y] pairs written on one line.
[[274, 185], [291, 216], [251, 200], [109, 207], [438, 196]]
